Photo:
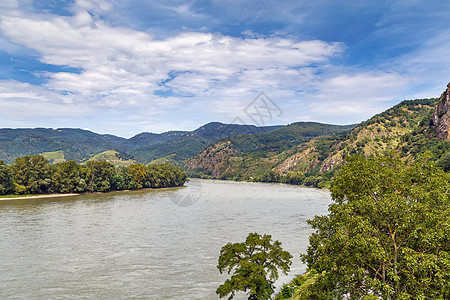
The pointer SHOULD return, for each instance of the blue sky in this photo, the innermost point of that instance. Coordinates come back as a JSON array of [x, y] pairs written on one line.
[[128, 66]]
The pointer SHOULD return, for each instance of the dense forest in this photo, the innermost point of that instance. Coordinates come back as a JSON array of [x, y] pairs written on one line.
[[35, 175]]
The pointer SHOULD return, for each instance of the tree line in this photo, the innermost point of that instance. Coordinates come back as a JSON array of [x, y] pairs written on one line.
[[33, 174]]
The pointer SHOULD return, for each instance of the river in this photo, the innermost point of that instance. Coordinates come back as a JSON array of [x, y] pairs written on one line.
[[148, 244]]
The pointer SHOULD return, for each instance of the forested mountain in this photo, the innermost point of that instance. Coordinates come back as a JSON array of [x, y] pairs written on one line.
[[243, 156], [74, 144], [64, 144], [407, 130], [301, 153]]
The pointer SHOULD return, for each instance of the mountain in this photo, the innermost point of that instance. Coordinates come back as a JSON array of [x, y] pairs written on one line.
[[80, 145], [177, 146], [254, 155], [407, 129], [75, 144], [304, 152]]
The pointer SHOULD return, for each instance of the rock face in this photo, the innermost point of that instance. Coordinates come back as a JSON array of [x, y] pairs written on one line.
[[441, 116]]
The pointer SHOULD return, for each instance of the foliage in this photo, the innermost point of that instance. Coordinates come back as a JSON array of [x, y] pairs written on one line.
[[444, 162], [100, 176], [122, 179], [298, 288], [6, 179], [34, 175], [164, 175], [138, 174], [69, 177], [386, 234], [254, 264]]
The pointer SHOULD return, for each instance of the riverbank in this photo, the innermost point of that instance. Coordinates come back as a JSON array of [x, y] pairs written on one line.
[[26, 197], [39, 196]]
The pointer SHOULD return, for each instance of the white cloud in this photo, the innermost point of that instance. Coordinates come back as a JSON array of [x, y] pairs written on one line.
[[356, 96], [5, 4], [122, 73], [121, 67]]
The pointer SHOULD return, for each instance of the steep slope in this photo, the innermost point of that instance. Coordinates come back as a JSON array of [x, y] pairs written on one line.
[[244, 156], [382, 134], [280, 155], [441, 116]]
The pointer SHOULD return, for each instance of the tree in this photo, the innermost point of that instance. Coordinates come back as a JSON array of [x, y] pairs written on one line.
[[138, 174], [32, 173], [6, 179], [164, 175], [67, 178], [122, 179], [254, 264], [101, 176], [386, 234]]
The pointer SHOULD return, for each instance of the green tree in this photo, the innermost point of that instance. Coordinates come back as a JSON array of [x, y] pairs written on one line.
[[138, 174], [444, 162], [254, 264], [33, 173], [6, 179], [270, 176], [101, 175], [386, 234], [122, 179], [68, 178], [164, 175]]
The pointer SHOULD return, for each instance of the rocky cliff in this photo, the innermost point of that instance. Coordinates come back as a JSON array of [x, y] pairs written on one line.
[[441, 116]]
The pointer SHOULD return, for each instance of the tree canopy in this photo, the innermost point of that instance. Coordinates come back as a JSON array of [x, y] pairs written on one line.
[[34, 175], [254, 264], [6, 179], [386, 234]]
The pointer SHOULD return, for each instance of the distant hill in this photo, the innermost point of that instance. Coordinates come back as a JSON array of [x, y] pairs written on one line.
[[114, 157], [75, 144], [65, 144], [178, 146]]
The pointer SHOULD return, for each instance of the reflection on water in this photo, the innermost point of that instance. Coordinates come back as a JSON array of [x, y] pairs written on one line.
[[152, 244]]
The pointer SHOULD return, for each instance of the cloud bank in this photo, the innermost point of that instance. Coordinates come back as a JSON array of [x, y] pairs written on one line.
[[115, 78]]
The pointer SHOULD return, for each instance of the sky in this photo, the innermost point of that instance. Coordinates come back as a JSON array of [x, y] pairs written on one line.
[[128, 66]]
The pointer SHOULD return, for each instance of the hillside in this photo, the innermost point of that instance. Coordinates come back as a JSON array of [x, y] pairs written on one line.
[[407, 129], [65, 144], [114, 157], [301, 153], [74, 144], [177, 146], [244, 156]]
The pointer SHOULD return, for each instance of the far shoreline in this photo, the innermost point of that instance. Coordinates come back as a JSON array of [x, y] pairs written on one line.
[[26, 197], [44, 196]]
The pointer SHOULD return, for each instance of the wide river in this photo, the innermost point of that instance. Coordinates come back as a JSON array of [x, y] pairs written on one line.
[[149, 244]]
